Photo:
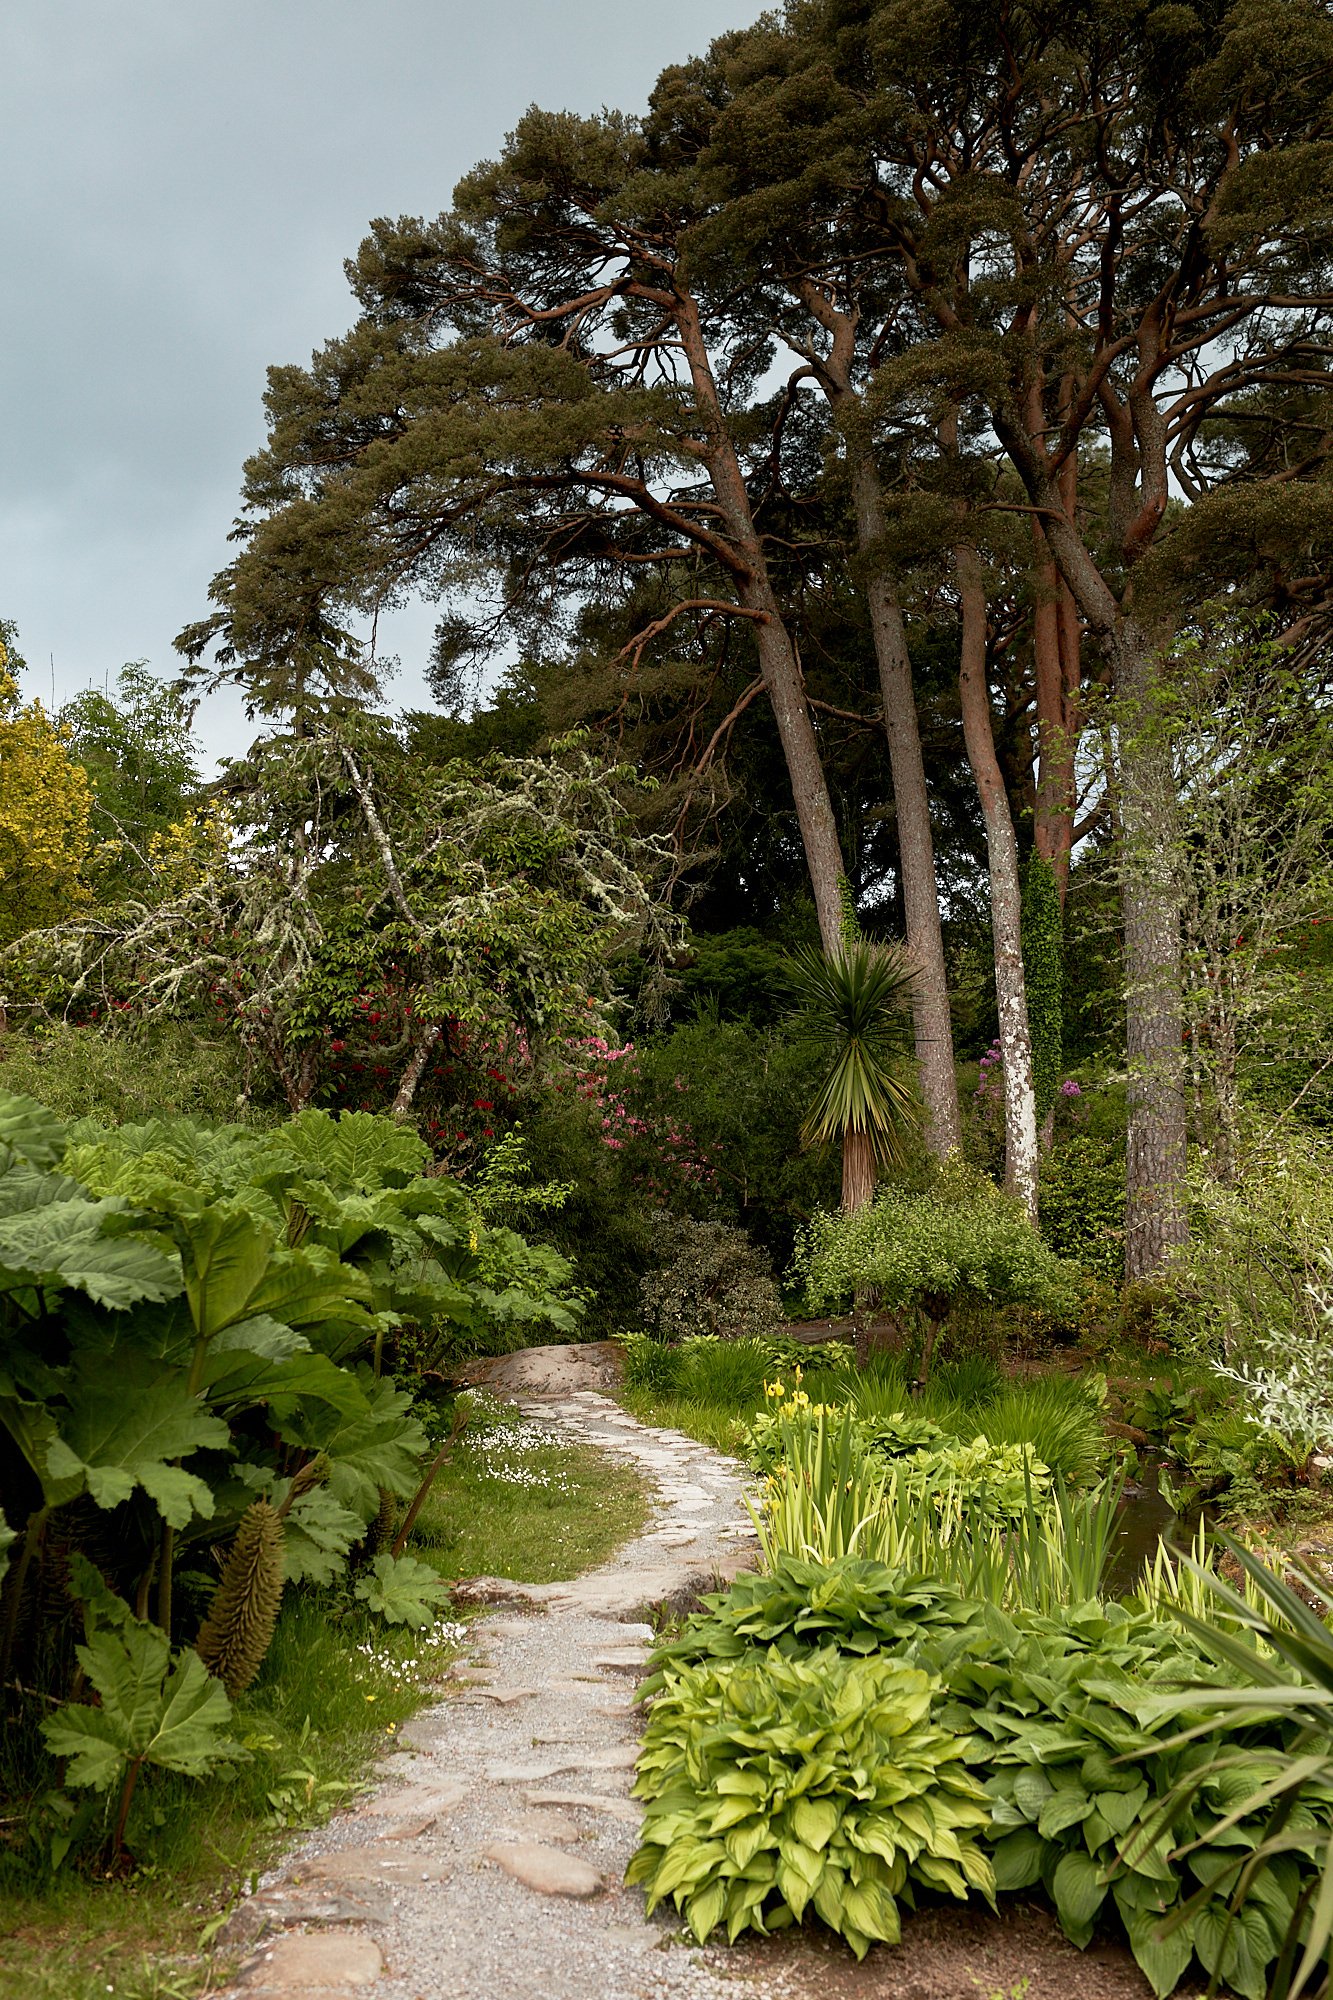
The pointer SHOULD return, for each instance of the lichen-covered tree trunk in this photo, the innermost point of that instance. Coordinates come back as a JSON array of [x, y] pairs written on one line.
[[1020, 1102]]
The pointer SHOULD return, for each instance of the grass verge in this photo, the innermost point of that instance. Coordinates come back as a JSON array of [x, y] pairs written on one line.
[[336, 1686], [513, 1501]]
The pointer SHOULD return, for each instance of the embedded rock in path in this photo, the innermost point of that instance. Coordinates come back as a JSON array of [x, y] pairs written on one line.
[[544, 1869], [506, 1697], [371, 1864], [538, 1825], [286, 1906], [622, 1659], [417, 1801], [601, 1802], [504, 1628], [318, 1965]]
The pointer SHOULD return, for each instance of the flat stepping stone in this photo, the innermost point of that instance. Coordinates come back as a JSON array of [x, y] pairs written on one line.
[[622, 1659], [417, 1801], [525, 1774], [676, 1538], [371, 1864], [545, 1869], [602, 1802], [506, 1697], [281, 1909], [317, 1964], [541, 1825]]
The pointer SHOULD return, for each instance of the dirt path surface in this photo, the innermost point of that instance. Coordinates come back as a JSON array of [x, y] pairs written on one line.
[[488, 1864]]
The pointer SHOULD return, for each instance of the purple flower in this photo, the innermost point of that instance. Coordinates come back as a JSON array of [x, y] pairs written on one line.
[[1069, 1088]]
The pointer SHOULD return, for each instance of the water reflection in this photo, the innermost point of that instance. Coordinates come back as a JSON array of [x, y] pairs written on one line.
[[1145, 1516]]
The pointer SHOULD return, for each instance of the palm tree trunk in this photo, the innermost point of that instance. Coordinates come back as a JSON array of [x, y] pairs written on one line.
[[858, 1171]]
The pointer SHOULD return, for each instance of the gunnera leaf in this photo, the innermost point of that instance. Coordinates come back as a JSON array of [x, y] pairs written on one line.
[[238, 1630]]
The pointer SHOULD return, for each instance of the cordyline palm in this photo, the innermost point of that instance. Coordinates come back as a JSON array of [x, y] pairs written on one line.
[[852, 1002]]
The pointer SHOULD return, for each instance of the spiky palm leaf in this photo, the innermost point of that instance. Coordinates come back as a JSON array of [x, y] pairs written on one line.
[[853, 1004]]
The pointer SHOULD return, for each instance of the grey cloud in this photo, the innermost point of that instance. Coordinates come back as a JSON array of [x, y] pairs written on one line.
[[183, 181]]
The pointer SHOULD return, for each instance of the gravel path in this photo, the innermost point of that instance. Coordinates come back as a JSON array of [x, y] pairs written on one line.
[[489, 1864]]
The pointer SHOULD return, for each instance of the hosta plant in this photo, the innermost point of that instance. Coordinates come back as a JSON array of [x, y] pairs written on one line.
[[1074, 1724], [774, 1786], [858, 1607]]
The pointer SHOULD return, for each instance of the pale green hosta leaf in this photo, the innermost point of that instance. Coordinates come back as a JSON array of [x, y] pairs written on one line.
[[8, 1537], [127, 1421], [403, 1590]]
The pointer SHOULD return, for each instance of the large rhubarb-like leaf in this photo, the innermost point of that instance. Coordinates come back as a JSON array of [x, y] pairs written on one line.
[[153, 1709], [127, 1422], [65, 1243], [378, 1445], [28, 1131], [404, 1590]]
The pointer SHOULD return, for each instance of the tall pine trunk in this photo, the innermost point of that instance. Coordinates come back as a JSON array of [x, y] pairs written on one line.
[[1156, 1217], [778, 664], [916, 846], [1020, 1103], [1156, 1220]]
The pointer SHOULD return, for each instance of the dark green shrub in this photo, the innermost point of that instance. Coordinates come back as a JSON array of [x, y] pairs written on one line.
[[715, 1280], [1083, 1204]]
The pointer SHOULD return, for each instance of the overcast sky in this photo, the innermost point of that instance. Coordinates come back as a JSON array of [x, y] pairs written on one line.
[[182, 180]]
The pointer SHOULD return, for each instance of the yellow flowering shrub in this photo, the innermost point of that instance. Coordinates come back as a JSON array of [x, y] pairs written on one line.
[[45, 808]]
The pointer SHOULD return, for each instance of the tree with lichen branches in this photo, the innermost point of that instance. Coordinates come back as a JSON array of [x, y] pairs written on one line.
[[337, 908]]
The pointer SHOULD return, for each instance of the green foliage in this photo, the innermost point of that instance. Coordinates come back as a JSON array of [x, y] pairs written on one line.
[[1083, 1204], [927, 1252], [238, 1630], [1116, 1777], [734, 977], [1058, 1417], [152, 1708], [742, 1089], [403, 1590], [713, 1281], [166, 1070], [141, 758], [1272, 1642], [1095, 1797], [797, 1606], [985, 1517], [1043, 976], [193, 1324], [853, 1004], [1253, 1261], [774, 1784]]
